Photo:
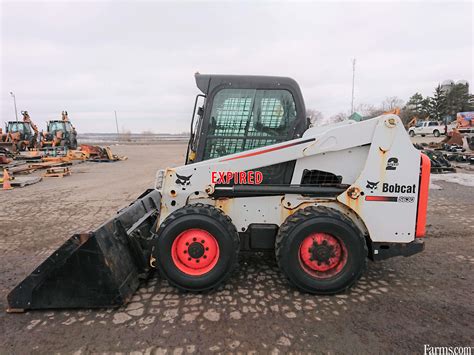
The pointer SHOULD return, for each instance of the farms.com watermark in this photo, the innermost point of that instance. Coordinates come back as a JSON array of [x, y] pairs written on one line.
[[447, 350]]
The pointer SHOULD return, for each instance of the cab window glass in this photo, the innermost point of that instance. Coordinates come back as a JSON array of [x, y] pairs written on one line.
[[56, 126], [243, 119], [16, 127]]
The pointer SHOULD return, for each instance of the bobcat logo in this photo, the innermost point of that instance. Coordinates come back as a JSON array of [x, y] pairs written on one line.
[[372, 185], [183, 180]]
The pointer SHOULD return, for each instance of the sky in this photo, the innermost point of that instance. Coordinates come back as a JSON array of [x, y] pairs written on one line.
[[139, 58]]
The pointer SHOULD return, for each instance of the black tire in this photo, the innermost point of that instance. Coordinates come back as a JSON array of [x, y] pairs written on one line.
[[470, 142], [436, 133], [312, 219], [21, 146], [213, 221], [411, 133]]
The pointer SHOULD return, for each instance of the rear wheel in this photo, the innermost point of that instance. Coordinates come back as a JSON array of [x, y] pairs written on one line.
[[321, 251], [412, 133], [436, 133], [197, 248], [21, 146]]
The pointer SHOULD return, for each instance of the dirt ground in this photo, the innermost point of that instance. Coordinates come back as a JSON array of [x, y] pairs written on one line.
[[398, 306]]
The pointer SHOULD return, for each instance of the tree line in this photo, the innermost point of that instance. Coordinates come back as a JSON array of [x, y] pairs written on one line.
[[443, 106]]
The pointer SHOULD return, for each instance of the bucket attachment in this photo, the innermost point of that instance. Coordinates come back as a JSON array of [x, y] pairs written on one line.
[[97, 269]]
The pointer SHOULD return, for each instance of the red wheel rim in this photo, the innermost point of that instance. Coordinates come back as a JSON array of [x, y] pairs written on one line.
[[195, 252], [322, 255]]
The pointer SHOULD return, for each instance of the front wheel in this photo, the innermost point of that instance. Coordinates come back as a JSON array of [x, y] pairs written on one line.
[[321, 251], [411, 133], [197, 248], [21, 146]]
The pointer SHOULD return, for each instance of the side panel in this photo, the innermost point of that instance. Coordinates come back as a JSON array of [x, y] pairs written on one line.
[[353, 158], [385, 195], [271, 210]]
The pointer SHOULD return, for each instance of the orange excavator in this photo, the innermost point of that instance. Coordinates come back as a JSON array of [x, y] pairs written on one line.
[[412, 122], [465, 126], [20, 135], [60, 133]]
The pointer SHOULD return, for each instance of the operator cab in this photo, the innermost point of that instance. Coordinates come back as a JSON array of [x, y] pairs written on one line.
[[55, 126], [21, 127], [241, 112], [60, 126]]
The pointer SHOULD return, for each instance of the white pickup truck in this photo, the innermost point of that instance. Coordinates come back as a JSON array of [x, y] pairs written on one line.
[[426, 127]]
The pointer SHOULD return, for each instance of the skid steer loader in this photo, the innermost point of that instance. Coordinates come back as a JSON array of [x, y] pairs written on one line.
[[256, 178]]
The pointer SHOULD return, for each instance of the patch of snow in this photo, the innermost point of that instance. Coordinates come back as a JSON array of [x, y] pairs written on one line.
[[457, 178], [435, 187]]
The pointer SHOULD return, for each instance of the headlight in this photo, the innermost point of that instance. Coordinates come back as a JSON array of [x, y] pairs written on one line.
[[160, 178]]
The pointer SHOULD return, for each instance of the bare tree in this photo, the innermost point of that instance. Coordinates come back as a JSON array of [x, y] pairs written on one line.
[[339, 117], [391, 103], [368, 110], [315, 116], [126, 135]]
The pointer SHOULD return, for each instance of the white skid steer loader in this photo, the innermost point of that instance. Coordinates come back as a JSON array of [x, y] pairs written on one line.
[[324, 199]]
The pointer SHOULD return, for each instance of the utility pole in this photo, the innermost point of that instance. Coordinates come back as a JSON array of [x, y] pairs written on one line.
[[353, 81], [14, 103], [116, 125]]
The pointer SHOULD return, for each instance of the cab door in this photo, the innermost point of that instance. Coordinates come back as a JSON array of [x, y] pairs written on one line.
[[244, 119]]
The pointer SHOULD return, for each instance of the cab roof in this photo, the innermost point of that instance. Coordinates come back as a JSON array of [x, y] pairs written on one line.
[[208, 82]]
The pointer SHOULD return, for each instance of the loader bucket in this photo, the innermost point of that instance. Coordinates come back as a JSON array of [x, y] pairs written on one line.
[[101, 268]]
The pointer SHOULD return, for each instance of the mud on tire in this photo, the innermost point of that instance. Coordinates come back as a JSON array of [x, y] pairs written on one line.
[[321, 251], [197, 248]]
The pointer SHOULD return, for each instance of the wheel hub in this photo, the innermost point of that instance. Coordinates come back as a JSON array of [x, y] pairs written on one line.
[[195, 251], [322, 255]]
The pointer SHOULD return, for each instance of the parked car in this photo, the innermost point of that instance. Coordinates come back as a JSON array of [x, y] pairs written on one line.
[[426, 127]]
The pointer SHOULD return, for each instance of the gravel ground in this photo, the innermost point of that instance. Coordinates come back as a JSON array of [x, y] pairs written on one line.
[[398, 306]]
